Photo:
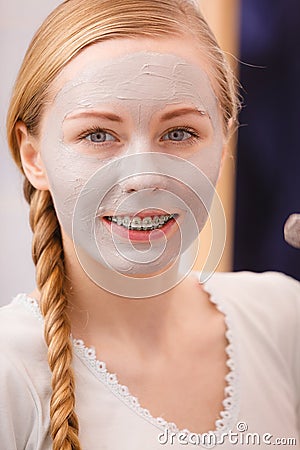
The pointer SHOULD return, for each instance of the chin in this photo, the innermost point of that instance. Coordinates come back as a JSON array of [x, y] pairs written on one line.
[[146, 270]]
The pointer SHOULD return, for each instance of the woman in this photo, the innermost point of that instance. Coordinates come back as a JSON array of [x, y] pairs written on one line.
[[119, 120]]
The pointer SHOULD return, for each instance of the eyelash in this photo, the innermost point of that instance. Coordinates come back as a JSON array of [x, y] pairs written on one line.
[[190, 141], [94, 130]]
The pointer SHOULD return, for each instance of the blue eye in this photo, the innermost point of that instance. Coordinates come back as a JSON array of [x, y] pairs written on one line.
[[178, 135], [100, 136]]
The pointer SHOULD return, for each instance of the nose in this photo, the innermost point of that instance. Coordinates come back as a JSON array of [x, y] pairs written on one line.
[[144, 172], [140, 182]]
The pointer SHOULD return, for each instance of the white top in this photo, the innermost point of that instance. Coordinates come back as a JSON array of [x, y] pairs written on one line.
[[262, 314]]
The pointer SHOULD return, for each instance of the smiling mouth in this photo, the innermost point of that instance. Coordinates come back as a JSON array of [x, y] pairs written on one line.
[[138, 223]]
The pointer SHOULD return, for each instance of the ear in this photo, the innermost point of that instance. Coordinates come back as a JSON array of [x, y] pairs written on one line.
[[31, 158]]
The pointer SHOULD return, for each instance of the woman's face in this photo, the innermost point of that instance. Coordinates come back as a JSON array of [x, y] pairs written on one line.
[[131, 142]]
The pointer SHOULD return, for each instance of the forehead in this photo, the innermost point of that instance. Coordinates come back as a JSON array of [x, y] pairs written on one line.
[[140, 79], [97, 57], [144, 75]]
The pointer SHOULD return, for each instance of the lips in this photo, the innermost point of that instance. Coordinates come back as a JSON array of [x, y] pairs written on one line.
[[137, 227], [141, 223]]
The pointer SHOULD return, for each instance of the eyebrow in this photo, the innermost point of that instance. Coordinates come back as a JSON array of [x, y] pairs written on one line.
[[116, 118], [181, 112], [101, 115]]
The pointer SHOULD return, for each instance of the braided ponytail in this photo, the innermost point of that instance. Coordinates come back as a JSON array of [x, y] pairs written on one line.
[[48, 257]]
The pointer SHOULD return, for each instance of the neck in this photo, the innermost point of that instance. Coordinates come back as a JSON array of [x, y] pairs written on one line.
[[100, 309], [96, 313]]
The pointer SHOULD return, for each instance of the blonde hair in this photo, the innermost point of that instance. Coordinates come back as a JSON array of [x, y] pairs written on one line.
[[72, 26]]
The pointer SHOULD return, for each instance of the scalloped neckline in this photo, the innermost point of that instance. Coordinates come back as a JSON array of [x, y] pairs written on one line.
[[226, 418]]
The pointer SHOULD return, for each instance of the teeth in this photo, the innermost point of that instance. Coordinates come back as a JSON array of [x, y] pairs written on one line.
[[155, 220], [126, 222], [147, 223], [138, 223]]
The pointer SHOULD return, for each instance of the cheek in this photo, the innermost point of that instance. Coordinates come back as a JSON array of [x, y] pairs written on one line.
[[208, 161], [67, 173]]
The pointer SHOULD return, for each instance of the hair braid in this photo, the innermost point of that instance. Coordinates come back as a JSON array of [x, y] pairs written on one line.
[[47, 252]]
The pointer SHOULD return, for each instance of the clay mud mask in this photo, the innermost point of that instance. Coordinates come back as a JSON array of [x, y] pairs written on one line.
[[120, 145]]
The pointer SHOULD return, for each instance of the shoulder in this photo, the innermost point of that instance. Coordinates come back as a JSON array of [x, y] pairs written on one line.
[[259, 290], [255, 279], [21, 328], [267, 302], [24, 376], [22, 346], [19, 414], [265, 308]]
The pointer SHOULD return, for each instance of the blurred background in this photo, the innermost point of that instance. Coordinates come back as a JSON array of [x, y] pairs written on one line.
[[260, 182], [268, 156]]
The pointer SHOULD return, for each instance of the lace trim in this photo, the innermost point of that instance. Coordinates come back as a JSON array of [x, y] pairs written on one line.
[[30, 303], [87, 355]]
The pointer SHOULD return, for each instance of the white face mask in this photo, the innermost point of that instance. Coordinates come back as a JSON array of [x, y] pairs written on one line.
[[103, 171]]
